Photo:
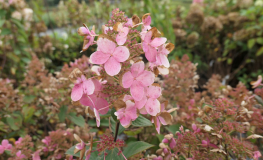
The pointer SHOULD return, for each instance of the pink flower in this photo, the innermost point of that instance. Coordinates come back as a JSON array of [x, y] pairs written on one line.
[[172, 143], [256, 154], [136, 79], [35, 155], [196, 130], [19, 155], [106, 29], [88, 36], [19, 140], [127, 114], [257, 83], [153, 105], [110, 55], [80, 145], [96, 101], [162, 56], [46, 140], [129, 23], [198, 1], [5, 146], [206, 143], [122, 34], [82, 86], [146, 20], [149, 45]]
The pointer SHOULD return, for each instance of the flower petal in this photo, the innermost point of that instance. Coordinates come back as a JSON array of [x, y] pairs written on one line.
[[131, 110], [125, 121], [77, 92], [102, 105], [151, 54], [112, 67], [121, 39], [99, 57], [97, 115], [153, 106], [163, 60], [165, 118], [83, 31], [121, 53], [106, 46], [156, 42], [154, 91], [127, 79], [148, 36], [146, 78], [87, 101], [137, 91], [140, 104], [88, 87], [137, 68]]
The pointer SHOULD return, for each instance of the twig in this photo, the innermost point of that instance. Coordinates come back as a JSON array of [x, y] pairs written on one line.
[[116, 131]]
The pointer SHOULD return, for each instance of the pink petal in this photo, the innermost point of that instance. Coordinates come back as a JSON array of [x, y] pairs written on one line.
[[172, 143], [143, 111], [162, 120], [145, 47], [2, 149], [35, 155], [137, 68], [162, 107], [87, 101], [83, 31], [158, 126], [131, 110], [112, 67], [141, 103], [127, 79], [151, 54], [127, 97], [102, 105], [120, 113], [97, 115], [146, 78], [163, 50], [148, 37], [147, 21], [106, 46], [88, 87], [125, 121], [121, 53], [143, 34], [99, 57], [163, 60], [154, 91], [137, 91], [153, 106], [156, 42], [77, 92], [97, 84], [121, 39]]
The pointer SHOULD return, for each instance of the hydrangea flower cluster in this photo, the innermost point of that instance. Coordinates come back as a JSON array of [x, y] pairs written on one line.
[[118, 60]]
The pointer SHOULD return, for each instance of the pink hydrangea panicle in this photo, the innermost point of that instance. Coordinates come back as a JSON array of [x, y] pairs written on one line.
[[206, 143], [19, 141], [127, 114], [88, 36], [110, 55], [256, 155], [36, 156], [150, 43], [20, 156], [5, 146], [195, 128], [136, 79], [82, 86], [122, 33], [129, 23], [257, 83], [146, 20]]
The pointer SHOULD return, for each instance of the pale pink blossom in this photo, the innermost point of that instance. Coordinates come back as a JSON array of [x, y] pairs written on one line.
[[127, 114], [198, 1], [122, 34], [153, 106], [5, 146], [146, 23], [149, 45], [106, 29], [20, 156], [110, 55], [35, 155], [80, 145], [19, 140], [257, 83], [136, 79], [88, 36], [129, 23], [195, 128], [256, 154], [161, 57], [82, 87]]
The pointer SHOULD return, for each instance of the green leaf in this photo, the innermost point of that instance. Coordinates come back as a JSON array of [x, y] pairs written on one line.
[[14, 121], [28, 112], [251, 43], [113, 125], [173, 128], [5, 31], [259, 52], [135, 148], [141, 122], [113, 110], [133, 132], [229, 61], [2, 21], [62, 113], [29, 98], [78, 120], [260, 40]]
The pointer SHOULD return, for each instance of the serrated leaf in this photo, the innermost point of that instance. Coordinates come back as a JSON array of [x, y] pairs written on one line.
[[141, 122], [78, 120], [251, 43], [62, 113], [259, 52], [135, 148]]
